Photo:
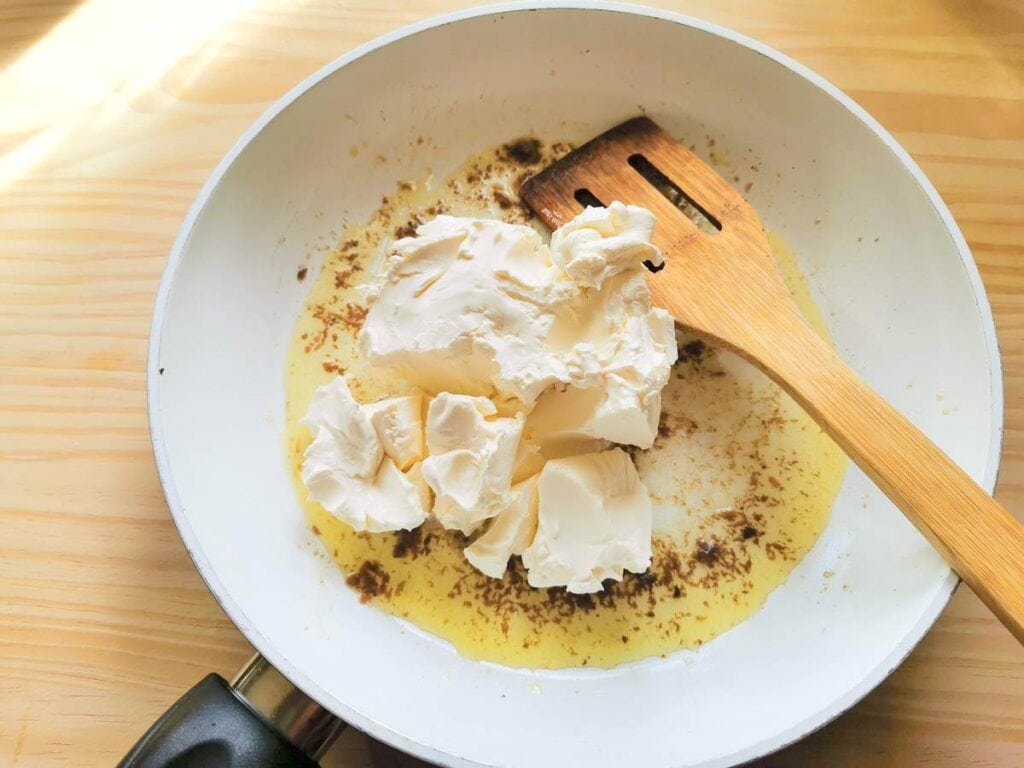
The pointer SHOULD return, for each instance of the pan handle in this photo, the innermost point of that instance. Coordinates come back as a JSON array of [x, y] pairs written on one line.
[[260, 720]]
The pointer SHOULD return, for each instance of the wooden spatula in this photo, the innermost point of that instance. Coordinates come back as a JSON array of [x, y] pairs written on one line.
[[724, 284]]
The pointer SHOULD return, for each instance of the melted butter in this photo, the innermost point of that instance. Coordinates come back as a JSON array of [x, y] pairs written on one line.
[[741, 480]]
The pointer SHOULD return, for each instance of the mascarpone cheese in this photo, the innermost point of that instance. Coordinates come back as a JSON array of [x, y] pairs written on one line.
[[472, 459], [593, 522], [486, 308], [538, 358], [509, 533], [349, 467]]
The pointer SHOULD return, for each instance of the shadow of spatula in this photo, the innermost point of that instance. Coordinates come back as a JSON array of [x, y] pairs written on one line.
[[725, 286]]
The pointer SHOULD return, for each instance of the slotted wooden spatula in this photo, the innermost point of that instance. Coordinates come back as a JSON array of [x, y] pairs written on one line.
[[725, 286]]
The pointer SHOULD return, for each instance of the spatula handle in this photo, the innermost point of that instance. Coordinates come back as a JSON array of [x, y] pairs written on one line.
[[979, 539]]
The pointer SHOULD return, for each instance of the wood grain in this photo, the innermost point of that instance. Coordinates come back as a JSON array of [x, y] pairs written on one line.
[[112, 113]]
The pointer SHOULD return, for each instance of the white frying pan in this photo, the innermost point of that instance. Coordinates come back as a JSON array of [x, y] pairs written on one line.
[[885, 259]]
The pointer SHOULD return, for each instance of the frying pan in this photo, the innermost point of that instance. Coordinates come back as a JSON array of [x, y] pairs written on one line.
[[885, 261]]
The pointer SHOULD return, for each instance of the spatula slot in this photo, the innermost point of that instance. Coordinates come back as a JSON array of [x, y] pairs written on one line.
[[585, 197], [674, 194]]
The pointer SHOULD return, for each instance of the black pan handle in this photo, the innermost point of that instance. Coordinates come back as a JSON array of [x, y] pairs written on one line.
[[261, 722]]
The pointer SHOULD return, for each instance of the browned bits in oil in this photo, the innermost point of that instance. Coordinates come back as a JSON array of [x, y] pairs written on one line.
[[350, 318], [301, 274], [525, 151], [333, 366], [353, 316], [343, 276], [504, 201], [669, 576], [707, 552], [370, 581], [413, 543], [673, 423], [694, 350], [645, 580], [316, 530], [409, 228]]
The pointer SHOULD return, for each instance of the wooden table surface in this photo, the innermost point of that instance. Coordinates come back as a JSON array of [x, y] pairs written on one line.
[[112, 113]]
